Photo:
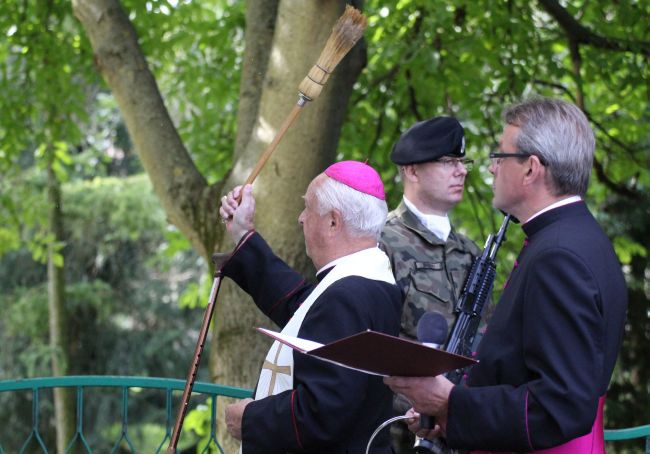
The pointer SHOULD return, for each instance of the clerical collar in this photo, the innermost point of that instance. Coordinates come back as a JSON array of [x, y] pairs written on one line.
[[438, 225], [320, 275], [322, 271], [559, 203]]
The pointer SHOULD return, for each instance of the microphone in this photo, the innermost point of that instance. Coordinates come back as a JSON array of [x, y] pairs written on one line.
[[432, 329], [432, 332]]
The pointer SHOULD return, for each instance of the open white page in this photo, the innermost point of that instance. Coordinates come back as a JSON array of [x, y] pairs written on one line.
[[302, 345]]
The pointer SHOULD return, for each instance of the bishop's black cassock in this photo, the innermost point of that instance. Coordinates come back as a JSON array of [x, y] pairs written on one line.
[[330, 409]]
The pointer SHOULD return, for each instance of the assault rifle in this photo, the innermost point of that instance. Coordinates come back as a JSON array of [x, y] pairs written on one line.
[[469, 310], [470, 306]]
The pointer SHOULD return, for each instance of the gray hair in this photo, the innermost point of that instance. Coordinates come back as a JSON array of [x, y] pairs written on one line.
[[363, 215], [560, 135]]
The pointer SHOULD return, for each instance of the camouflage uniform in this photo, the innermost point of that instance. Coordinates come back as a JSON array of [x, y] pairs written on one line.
[[430, 273]]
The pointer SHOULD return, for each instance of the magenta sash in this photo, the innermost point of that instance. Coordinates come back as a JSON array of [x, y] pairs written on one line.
[[592, 443]]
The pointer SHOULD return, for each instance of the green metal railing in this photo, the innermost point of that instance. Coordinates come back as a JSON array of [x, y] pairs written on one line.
[[630, 434], [212, 391], [81, 383]]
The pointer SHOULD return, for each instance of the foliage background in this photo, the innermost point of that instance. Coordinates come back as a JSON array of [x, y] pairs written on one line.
[[131, 275]]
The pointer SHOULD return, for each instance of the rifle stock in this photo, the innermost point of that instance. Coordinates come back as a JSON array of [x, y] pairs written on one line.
[[470, 306], [472, 301]]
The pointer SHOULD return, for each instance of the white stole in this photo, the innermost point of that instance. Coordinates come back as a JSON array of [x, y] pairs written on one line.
[[276, 375]]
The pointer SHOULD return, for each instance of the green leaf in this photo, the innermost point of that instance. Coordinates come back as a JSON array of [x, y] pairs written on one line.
[[627, 249]]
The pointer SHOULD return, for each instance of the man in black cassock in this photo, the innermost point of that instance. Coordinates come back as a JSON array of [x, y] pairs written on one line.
[[549, 351], [303, 404]]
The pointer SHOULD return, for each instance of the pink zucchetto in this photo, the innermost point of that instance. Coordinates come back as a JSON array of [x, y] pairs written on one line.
[[359, 176]]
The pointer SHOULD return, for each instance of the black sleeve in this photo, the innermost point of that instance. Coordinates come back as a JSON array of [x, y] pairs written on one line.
[[276, 288]]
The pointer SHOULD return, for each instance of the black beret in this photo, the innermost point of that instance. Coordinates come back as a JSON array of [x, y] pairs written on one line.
[[429, 140]]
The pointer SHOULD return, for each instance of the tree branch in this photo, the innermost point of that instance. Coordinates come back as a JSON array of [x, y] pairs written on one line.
[[412, 97], [615, 187], [397, 67], [174, 177], [599, 126], [260, 27], [582, 35], [378, 131]]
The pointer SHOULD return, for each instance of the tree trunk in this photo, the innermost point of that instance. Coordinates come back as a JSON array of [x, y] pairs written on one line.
[[63, 398], [260, 25], [188, 201], [301, 31], [300, 34], [284, 39]]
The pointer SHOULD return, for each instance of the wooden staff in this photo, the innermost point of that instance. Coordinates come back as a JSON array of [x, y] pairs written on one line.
[[345, 33]]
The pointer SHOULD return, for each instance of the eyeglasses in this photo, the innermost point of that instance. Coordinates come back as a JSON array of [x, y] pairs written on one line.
[[498, 157], [451, 163]]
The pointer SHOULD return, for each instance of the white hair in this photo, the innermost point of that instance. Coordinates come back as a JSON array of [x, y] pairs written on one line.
[[363, 215]]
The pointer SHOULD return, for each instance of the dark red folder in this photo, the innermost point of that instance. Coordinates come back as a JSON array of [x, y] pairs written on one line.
[[379, 354]]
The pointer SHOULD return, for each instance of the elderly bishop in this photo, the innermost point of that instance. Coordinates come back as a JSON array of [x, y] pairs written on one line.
[[302, 404]]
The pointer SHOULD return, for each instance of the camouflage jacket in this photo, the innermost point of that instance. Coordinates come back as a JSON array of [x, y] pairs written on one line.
[[429, 272]]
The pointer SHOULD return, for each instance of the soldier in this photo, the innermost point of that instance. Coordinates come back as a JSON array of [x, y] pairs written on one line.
[[429, 258]]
